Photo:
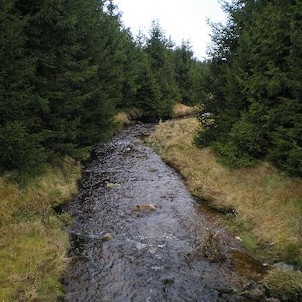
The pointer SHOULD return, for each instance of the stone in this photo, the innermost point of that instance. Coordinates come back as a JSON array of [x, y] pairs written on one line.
[[144, 207], [107, 237], [284, 267], [255, 294], [111, 185]]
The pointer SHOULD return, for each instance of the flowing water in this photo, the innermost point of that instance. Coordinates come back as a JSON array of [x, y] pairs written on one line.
[[138, 235]]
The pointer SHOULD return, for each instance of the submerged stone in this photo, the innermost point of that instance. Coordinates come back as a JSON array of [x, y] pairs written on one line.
[[107, 237], [111, 185]]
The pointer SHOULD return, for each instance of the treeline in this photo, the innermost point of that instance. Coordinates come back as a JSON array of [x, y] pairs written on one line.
[[254, 85], [68, 65]]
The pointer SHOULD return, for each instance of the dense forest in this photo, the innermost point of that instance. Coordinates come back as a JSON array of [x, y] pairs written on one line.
[[255, 85], [68, 65]]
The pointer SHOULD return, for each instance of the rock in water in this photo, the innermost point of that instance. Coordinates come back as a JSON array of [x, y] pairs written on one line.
[[144, 207], [107, 237], [110, 185]]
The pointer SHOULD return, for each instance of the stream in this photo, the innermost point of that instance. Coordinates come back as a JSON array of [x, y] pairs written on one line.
[[138, 234]]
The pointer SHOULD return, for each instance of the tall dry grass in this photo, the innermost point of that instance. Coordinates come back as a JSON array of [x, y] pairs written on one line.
[[267, 204], [33, 242], [181, 110]]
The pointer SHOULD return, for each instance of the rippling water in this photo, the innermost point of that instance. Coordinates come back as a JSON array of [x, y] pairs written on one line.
[[161, 255]]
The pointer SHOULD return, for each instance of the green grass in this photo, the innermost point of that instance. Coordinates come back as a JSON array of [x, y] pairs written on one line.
[[33, 242], [286, 286]]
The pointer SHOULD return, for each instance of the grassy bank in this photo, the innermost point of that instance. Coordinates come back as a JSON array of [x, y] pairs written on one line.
[[266, 203], [33, 242]]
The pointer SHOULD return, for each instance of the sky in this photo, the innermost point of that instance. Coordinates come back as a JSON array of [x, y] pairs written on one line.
[[180, 19]]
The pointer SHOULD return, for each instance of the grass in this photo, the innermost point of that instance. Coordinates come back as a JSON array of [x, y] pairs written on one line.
[[266, 203], [33, 242], [122, 118], [126, 116], [181, 110], [285, 286]]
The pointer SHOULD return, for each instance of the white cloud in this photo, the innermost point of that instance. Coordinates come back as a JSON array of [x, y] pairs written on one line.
[[182, 20]]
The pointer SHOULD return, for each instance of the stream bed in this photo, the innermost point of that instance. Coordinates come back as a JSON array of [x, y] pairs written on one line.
[[138, 234]]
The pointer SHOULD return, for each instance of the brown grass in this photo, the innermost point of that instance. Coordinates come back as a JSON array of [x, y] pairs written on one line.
[[267, 203], [122, 118], [126, 117], [33, 242], [181, 110]]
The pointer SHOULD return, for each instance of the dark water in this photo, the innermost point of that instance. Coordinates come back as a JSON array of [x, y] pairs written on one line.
[[174, 253]]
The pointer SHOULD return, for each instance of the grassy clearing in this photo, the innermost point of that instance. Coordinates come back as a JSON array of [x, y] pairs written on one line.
[[33, 242], [267, 204]]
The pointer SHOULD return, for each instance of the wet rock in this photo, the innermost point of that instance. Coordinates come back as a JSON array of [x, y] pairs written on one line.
[[145, 208], [272, 300], [224, 289], [284, 267], [111, 185], [167, 281], [107, 237], [256, 294], [239, 238]]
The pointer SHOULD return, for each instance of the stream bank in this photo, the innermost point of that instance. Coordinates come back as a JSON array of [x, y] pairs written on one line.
[[138, 234]]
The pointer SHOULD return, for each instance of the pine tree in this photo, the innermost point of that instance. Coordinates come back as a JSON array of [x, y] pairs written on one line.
[[160, 53], [149, 95], [255, 71], [20, 140], [183, 61]]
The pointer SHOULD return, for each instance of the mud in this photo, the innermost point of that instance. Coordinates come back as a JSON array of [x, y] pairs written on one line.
[[121, 252]]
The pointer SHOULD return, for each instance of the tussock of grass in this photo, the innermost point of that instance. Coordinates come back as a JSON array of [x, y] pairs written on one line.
[[286, 286], [126, 117], [122, 118], [32, 240], [267, 203], [181, 110]]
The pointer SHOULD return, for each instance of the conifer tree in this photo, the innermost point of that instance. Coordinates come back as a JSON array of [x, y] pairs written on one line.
[[183, 61], [159, 50], [20, 138], [255, 85]]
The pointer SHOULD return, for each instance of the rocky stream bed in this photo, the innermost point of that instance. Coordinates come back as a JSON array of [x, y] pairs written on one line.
[[138, 234]]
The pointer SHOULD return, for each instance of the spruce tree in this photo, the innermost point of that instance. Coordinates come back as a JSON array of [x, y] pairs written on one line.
[[20, 137], [160, 53], [255, 70], [183, 61]]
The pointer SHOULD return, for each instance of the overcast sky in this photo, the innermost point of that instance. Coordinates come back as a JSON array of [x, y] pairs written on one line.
[[180, 19]]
